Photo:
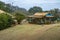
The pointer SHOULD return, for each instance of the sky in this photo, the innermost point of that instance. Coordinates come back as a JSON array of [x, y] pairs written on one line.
[[45, 4]]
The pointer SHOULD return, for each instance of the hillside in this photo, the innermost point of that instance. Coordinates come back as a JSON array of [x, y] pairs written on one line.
[[10, 8]]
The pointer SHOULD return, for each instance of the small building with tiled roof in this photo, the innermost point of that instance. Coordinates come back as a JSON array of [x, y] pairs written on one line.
[[41, 18], [41, 15]]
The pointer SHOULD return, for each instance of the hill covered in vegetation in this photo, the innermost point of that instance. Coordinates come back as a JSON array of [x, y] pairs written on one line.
[[10, 8]]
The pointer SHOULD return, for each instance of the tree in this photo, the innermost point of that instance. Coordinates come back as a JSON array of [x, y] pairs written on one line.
[[19, 17], [5, 7], [35, 9], [55, 12], [5, 21], [2, 5]]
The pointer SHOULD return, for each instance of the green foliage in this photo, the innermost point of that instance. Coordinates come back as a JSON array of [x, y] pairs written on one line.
[[19, 17], [1, 4], [55, 12], [5, 7], [35, 9], [5, 21], [10, 8]]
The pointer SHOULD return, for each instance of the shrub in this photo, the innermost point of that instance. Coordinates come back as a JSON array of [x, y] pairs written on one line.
[[19, 17], [5, 21]]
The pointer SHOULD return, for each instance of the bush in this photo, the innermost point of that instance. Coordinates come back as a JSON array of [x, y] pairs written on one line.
[[5, 21], [19, 17]]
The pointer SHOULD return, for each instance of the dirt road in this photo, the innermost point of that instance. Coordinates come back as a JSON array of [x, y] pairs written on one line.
[[26, 32]]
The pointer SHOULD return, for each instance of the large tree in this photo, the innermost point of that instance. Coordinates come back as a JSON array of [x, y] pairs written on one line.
[[35, 9]]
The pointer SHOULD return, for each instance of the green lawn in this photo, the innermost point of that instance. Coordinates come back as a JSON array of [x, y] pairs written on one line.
[[31, 32]]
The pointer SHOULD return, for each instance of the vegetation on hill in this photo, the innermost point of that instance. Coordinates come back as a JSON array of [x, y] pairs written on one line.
[[35, 9], [19, 17], [55, 12], [5, 21], [5, 7], [11, 9]]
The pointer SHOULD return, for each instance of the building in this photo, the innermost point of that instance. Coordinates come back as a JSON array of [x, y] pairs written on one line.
[[41, 18]]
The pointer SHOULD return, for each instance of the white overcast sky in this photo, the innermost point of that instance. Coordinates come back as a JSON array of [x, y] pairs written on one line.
[[45, 4]]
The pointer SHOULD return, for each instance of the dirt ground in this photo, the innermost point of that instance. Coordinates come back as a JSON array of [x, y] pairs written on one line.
[[31, 32]]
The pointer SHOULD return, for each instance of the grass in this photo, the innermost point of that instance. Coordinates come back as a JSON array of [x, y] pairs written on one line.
[[31, 32]]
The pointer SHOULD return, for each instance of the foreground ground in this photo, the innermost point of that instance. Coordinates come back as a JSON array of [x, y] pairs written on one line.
[[31, 32]]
